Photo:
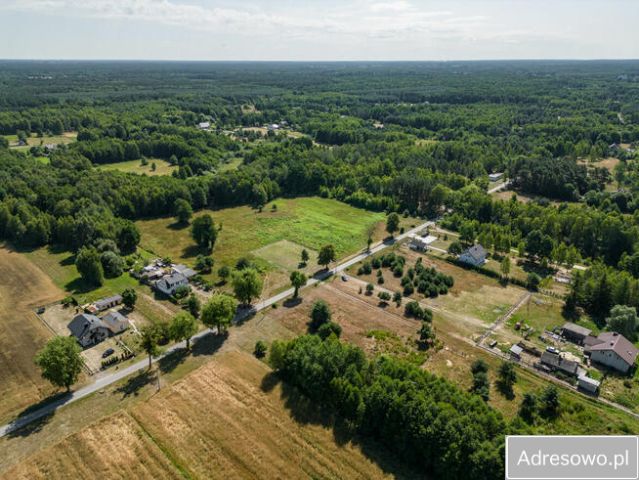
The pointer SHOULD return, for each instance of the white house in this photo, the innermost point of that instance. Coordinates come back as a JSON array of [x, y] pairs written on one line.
[[421, 243], [613, 350], [475, 255], [204, 125], [116, 322], [170, 283], [493, 177], [588, 384], [273, 126]]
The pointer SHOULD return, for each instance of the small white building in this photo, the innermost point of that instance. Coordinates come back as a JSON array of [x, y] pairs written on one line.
[[170, 283], [516, 351], [273, 127], [588, 384], [420, 243], [116, 322], [493, 177], [204, 125], [475, 255]]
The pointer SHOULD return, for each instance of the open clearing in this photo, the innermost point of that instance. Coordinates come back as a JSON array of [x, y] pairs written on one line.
[[230, 419], [286, 254], [22, 334], [135, 166], [34, 140], [115, 447]]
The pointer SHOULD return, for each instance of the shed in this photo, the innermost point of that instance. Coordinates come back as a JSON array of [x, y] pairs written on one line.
[[575, 333], [588, 384], [516, 351], [108, 302], [556, 362]]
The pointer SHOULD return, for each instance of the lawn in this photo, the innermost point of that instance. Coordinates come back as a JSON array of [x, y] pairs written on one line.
[[34, 140], [60, 267], [309, 222], [135, 166]]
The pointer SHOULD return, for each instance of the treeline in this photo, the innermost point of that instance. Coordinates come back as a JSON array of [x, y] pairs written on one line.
[[428, 422]]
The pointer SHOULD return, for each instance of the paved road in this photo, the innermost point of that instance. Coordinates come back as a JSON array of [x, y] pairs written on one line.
[[499, 187], [111, 378]]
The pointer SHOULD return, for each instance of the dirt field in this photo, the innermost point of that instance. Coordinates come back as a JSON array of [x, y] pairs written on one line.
[[21, 333], [115, 447], [228, 420]]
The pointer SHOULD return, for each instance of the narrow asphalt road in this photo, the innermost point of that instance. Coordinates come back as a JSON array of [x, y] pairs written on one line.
[[109, 379]]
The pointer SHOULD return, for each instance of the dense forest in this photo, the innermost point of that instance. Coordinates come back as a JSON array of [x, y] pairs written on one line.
[[413, 138]]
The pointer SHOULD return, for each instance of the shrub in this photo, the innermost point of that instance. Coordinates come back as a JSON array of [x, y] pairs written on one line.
[[260, 349]]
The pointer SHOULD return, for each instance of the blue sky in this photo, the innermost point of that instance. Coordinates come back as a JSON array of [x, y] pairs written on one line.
[[318, 30]]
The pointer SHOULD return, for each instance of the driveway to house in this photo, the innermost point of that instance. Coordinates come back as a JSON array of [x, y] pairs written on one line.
[[499, 187], [242, 314]]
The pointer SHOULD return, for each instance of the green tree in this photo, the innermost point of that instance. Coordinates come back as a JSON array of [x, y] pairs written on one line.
[[550, 402], [397, 298], [224, 273], [384, 297], [149, 341], [528, 407], [392, 223], [183, 211], [219, 312], [505, 266], [455, 248], [506, 380], [305, 257], [112, 264], [329, 328], [623, 319], [88, 264], [247, 285], [326, 256], [60, 361], [129, 297], [298, 280], [193, 305], [260, 349], [204, 263], [426, 336], [203, 232], [481, 385], [183, 327], [320, 314], [128, 238]]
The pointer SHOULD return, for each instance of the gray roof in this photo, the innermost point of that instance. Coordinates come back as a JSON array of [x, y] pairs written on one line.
[[556, 361], [588, 380], [477, 252], [173, 279], [105, 302], [576, 329], [83, 323], [516, 349], [617, 343], [113, 320]]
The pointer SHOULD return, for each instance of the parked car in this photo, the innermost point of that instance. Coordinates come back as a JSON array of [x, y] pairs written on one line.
[[552, 350], [344, 278], [40, 310], [108, 352]]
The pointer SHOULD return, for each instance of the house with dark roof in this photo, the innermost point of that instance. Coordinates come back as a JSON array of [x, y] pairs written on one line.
[[475, 255], [170, 283], [612, 350], [575, 333], [88, 329], [557, 363]]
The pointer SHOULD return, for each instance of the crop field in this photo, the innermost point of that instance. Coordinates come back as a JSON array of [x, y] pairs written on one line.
[[60, 267], [135, 166], [307, 222], [230, 420], [21, 332], [115, 447]]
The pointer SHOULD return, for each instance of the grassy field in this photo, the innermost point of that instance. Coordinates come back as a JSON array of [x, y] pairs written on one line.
[[60, 267], [34, 141], [21, 333], [305, 222], [115, 447], [135, 166]]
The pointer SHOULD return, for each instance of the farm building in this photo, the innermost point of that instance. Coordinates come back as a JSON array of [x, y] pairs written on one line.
[[116, 322], [475, 255], [612, 350], [170, 283], [183, 270], [556, 362], [575, 333], [493, 177], [88, 329], [107, 303], [588, 384], [421, 243], [516, 351]]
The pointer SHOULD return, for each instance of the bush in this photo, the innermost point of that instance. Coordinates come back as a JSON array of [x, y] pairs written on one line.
[[320, 314], [329, 329], [413, 309], [369, 288], [260, 349]]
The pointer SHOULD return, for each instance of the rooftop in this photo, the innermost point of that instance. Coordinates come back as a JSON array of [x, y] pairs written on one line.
[[613, 341]]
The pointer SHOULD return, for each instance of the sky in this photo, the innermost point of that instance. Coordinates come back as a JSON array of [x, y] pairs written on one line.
[[314, 30]]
